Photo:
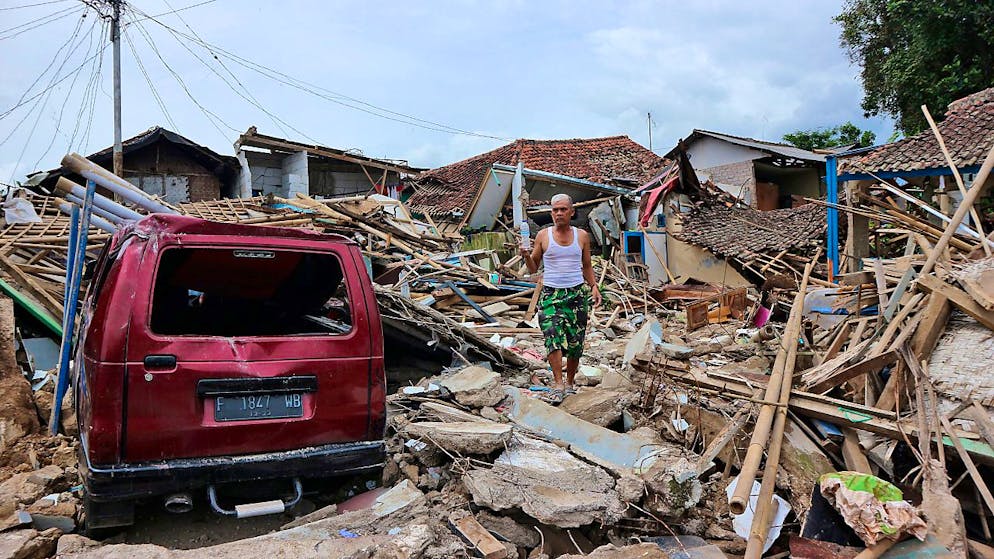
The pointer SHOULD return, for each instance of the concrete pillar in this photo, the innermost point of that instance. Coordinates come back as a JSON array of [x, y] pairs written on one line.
[[244, 179], [295, 174]]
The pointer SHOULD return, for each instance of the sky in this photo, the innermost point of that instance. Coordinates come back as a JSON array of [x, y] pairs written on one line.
[[428, 82]]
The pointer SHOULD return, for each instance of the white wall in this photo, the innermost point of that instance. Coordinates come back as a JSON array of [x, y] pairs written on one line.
[[711, 152], [295, 177]]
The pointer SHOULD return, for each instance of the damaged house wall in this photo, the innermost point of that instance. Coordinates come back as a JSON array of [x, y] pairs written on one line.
[[765, 175], [164, 164], [690, 261]]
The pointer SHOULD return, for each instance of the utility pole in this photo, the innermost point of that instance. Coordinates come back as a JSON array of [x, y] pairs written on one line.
[[115, 33], [649, 115]]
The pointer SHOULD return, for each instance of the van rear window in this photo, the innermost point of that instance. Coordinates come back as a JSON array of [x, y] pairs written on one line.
[[249, 292]]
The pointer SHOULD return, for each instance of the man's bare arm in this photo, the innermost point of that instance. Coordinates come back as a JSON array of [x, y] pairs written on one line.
[[588, 269], [534, 258]]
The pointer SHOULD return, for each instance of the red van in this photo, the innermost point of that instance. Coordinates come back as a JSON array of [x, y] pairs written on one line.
[[214, 353]]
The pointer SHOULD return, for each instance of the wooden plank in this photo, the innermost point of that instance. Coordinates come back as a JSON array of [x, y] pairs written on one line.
[[984, 424], [957, 297], [833, 410], [895, 297], [31, 286], [852, 453], [978, 479], [878, 273], [477, 536], [981, 288], [868, 365], [840, 339], [534, 302]]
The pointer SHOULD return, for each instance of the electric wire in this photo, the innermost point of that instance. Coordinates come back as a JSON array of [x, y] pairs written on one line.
[[247, 96], [250, 98], [40, 93], [84, 140], [51, 63], [44, 20], [213, 118], [69, 93], [148, 81], [327, 94], [33, 5], [177, 10], [88, 91], [47, 90]]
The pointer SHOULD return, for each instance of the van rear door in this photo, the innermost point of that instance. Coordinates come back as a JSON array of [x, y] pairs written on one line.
[[240, 349]]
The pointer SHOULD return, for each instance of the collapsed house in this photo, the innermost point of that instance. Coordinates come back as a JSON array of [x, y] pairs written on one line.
[[271, 165], [165, 164], [851, 383], [764, 175], [471, 194]]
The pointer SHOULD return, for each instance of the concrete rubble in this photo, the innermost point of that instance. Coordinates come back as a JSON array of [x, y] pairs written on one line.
[[684, 386]]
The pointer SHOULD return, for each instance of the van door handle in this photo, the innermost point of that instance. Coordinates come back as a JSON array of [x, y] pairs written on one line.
[[160, 361]]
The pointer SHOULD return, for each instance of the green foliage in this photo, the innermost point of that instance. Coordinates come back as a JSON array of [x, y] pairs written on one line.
[[847, 134], [915, 52]]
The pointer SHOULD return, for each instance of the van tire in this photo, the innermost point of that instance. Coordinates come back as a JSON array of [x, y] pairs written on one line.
[[104, 519]]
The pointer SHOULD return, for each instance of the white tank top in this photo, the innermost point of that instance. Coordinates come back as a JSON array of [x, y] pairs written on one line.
[[563, 264]]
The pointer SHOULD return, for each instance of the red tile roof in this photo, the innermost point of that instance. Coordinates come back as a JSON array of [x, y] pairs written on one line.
[[604, 160], [968, 131]]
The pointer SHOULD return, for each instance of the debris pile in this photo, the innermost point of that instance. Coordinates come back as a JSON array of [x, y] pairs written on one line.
[[707, 421]]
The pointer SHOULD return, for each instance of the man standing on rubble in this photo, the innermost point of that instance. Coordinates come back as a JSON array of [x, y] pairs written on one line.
[[569, 286]]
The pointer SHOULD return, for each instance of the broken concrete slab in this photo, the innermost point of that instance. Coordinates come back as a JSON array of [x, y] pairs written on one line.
[[463, 437], [28, 487], [400, 496], [597, 405], [448, 413], [675, 351], [674, 485], [506, 528], [619, 452], [548, 484], [409, 542], [474, 386], [28, 544], [637, 551], [650, 333]]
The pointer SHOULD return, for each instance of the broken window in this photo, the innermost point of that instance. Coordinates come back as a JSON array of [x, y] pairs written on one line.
[[249, 292]]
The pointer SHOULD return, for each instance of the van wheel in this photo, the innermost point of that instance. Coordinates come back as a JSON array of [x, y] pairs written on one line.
[[104, 519]]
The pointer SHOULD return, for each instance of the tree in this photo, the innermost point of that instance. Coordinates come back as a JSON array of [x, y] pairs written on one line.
[[847, 134], [915, 52]]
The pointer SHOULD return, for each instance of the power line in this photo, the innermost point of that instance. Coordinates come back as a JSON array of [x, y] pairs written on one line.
[[43, 101], [68, 55], [213, 118], [247, 95], [40, 93], [33, 5], [36, 23], [65, 102], [151, 87], [89, 90], [328, 94]]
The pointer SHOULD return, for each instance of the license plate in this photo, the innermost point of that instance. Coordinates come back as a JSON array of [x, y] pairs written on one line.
[[258, 406]]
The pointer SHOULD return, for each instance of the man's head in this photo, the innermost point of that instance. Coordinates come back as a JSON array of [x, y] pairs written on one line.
[[562, 209]]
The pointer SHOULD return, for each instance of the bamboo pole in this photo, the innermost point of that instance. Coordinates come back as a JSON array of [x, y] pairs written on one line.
[[764, 504], [761, 433], [959, 179], [971, 196]]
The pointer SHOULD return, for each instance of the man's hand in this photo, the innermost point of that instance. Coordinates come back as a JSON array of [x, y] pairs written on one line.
[[595, 294], [524, 252]]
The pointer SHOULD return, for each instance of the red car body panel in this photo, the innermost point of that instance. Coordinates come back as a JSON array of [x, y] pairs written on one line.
[[132, 414]]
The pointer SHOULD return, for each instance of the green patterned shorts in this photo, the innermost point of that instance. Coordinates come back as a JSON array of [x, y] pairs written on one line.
[[564, 318]]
